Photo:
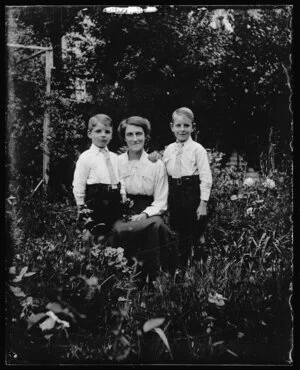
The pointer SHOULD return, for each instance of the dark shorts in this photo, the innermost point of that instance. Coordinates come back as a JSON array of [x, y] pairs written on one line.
[[104, 202]]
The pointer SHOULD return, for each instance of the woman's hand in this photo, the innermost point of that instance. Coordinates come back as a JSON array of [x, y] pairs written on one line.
[[124, 198], [154, 156], [202, 209], [140, 217]]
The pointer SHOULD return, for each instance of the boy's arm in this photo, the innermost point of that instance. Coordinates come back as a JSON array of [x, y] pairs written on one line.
[[205, 180], [204, 173], [79, 182]]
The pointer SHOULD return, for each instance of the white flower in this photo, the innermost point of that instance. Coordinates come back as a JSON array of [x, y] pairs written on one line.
[[51, 321], [213, 24], [249, 181], [220, 18], [227, 25], [119, 258], [269, 183], [249, 211], [108, 252], [216, 298]]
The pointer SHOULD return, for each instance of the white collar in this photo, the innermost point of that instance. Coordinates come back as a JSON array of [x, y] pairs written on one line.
[[142, 157], [185, 143], [96, 149]]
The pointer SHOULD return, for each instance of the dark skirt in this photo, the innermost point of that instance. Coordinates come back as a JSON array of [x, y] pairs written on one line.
[[150, 241]]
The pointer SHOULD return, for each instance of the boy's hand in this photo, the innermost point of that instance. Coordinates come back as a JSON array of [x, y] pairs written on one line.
[[202, 209], [154, 156], [124, 198]]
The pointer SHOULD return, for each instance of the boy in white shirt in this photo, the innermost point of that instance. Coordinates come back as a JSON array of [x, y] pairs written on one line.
[[190, 183], [96, 184]]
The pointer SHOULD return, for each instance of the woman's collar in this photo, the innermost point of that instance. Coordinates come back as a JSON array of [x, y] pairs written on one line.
[[142, 157]]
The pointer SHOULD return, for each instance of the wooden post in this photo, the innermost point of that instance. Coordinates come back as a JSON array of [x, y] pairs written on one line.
[[46, 125]]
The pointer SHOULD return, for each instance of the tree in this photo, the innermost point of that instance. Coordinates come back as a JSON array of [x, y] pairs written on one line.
[[230, 66]]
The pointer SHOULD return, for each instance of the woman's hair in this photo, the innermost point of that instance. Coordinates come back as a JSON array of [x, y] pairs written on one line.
[[99, 118], [184, 112], [135, 121]]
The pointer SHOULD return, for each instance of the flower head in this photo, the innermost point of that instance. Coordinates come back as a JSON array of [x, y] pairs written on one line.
[[249, 181], [217, 299], [108, 252], [269, 183], [249, 211]]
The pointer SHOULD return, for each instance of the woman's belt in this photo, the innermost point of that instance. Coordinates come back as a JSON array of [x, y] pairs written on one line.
[[140, 197]]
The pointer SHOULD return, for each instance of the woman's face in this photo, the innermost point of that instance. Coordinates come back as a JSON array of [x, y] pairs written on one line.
[[135, 138]]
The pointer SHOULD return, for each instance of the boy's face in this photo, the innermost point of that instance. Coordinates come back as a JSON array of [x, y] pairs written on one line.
[[100, 135], [182, 127]]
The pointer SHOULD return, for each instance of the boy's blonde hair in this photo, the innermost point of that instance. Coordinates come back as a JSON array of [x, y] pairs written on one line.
[[99, 118], [184, 111]]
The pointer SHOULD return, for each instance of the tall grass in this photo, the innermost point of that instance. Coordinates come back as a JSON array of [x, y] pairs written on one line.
[[70, 304]]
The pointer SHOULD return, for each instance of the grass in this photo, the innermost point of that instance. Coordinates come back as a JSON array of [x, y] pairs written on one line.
[[234, 308]]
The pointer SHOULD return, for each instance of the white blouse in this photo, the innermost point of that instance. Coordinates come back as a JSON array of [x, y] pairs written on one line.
[[194, 161], [144, 177]]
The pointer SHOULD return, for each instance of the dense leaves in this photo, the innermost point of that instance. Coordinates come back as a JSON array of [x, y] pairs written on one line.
[[232, 67]]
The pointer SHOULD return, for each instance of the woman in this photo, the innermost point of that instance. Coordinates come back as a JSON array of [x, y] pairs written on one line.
[[145, 235]]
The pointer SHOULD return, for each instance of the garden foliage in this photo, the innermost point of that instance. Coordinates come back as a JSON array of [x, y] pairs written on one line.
[[69, 303]]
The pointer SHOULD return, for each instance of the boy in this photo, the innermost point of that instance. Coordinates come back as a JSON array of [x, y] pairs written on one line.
[[96, 185], [190, 183]]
